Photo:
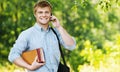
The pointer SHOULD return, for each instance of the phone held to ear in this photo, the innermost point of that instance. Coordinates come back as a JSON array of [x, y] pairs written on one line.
[[52, 19]]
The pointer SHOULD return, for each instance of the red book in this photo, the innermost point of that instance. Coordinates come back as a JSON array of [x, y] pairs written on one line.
[[29, 56]]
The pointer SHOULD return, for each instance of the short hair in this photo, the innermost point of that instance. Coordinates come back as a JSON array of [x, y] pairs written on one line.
[[42, 4]]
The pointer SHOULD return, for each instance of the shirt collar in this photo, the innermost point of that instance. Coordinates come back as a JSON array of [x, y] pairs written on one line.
[[38, 27]]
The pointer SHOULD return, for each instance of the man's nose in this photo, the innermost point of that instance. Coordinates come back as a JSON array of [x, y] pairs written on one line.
[[43, 14]]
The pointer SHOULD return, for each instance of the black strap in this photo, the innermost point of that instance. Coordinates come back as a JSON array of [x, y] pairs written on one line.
[[59, 47]]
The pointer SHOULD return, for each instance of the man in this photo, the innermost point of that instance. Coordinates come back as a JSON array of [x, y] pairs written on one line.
[[41, 36]]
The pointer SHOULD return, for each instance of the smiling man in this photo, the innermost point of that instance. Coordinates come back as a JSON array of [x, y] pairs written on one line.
[[41, 36]]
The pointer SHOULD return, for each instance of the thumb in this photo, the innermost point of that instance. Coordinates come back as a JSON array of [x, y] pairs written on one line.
[[36, 58]]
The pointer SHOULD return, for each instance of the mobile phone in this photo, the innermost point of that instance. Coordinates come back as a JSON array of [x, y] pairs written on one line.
[[51, 18]]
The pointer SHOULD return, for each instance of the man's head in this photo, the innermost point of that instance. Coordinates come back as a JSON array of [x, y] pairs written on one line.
[[42, 4], [42, 12]]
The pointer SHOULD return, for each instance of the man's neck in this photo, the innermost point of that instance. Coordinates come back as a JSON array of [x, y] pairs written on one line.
[[44, 26]]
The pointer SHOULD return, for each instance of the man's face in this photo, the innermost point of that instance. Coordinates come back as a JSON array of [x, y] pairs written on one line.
[[42, 15]]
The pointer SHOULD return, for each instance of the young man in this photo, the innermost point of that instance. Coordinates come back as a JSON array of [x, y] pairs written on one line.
[[41, 36]]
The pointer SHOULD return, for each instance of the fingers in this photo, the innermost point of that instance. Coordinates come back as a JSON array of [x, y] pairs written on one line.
[[35, 60], [35, 64], [53, 18]]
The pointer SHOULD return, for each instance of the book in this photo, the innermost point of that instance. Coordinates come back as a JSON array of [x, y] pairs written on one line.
[[29, 56]]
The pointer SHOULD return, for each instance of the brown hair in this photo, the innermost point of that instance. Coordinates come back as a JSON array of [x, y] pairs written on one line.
[[42, 4]]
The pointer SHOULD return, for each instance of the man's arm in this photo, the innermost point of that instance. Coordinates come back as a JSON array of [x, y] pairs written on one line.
[[65, 36], [21, 63], [15, 53], [68, 40]]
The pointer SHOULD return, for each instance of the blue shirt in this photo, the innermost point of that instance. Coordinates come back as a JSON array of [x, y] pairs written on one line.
[[36, 37]]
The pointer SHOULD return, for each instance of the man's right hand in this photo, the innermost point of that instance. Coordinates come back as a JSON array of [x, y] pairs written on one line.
[[35, 65]]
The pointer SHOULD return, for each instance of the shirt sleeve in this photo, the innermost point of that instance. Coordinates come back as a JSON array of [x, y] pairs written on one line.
[[19, 46], [63, 43]]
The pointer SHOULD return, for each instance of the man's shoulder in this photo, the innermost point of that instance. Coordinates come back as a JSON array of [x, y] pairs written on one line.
[[27, 31]]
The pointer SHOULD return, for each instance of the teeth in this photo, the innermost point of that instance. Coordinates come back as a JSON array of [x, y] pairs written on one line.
[[44, 18]]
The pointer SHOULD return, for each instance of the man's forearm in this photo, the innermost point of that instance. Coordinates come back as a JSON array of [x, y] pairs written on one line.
[[66, 37], [20, 62], [35, 65]]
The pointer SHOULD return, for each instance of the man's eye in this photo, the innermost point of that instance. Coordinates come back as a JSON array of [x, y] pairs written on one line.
[[40, 12], [46, 12]]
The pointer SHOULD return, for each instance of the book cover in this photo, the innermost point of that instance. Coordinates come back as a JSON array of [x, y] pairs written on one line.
[[29, 56]]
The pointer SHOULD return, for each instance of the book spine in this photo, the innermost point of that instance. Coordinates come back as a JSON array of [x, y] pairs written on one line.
[[39, 56]]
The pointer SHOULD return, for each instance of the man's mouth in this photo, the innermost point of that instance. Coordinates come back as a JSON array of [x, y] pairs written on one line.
[[44, 18]]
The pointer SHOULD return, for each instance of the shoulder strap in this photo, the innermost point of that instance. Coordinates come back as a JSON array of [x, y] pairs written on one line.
[[59, 47]]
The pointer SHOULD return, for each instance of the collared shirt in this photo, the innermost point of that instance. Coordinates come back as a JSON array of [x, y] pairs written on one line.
[[36, 37]]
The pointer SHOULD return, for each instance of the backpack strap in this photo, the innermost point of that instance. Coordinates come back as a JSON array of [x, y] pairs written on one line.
[[62, 55]]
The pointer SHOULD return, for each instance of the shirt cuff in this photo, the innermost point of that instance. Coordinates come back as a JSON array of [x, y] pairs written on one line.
[[12, 56]]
